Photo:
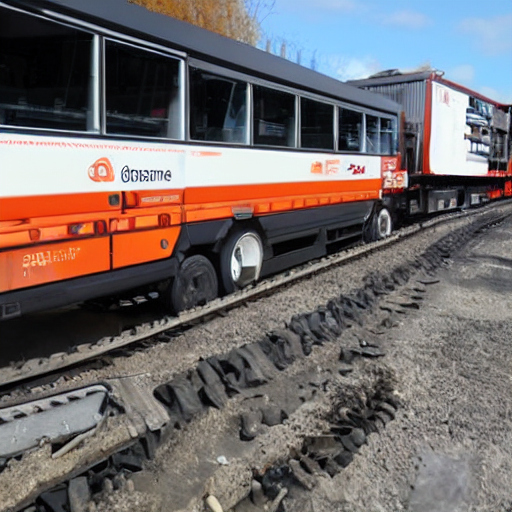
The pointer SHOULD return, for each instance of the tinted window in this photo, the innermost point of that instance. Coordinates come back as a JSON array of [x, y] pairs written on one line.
[[274, 117], [387, 136], [218, 109], [372, 134], [142, 92], [350, 130], [316, 124], [44, 73]]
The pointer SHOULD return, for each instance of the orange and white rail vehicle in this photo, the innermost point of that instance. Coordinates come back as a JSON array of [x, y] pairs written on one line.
[[137, 150]]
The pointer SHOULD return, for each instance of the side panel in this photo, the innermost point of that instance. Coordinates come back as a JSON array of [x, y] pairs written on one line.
[[33, 266], [262, 182], [282, 226], [453, 150], [132, 248], [71, 207], [58, 166]]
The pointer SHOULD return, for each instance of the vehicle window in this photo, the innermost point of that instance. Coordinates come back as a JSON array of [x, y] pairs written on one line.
[[316, 124], [350, 130], [218, 108], [142, 92], [372, 134], [387, 136], [274, 117], [44, 73]]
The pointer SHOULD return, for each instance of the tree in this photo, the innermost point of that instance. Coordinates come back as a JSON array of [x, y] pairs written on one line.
[[237, 19]]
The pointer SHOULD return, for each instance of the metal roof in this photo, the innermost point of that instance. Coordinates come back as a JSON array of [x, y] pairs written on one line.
[[132, 19], [392, 79], [419, 76]]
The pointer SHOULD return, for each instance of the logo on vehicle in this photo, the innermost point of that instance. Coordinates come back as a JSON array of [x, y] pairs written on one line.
[[443, 96], [357, 169], [330, 167], [101, 170], [317, 168]]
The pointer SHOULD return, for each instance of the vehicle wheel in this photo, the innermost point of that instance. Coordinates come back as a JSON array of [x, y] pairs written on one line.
[[195, 285], [380, 225], [241, 258], [383, 224]]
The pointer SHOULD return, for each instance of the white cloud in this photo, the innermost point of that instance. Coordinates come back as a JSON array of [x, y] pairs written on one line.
[[463, 74], [407, 19], [349, 68], [493, 36]]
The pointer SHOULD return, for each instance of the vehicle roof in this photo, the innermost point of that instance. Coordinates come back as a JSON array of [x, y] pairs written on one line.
[[132, 19], [393, 77]]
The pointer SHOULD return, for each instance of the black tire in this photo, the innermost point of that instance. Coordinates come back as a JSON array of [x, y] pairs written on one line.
[[239, 267], [195, 285], [380, 225]]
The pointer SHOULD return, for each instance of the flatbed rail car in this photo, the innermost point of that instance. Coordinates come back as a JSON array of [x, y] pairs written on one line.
[[456, 144], [137, 149]]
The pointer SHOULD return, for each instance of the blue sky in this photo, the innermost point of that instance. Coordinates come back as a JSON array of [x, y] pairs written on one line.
[[470, 40]]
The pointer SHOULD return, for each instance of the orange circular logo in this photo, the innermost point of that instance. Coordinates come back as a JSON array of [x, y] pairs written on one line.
[[101, 170]]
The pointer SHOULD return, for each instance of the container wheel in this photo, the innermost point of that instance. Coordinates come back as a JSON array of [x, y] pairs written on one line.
[[379, 226], [195, 284], [384, 224], [241, 258]]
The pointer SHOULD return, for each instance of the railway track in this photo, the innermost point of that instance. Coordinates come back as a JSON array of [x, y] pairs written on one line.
[[24, 370], [128, 420]]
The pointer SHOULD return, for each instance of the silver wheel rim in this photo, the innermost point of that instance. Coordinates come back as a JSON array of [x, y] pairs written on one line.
[[384, 223], [246, 259]]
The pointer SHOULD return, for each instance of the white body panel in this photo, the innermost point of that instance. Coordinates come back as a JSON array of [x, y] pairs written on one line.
[[44, 165], [451, 152]]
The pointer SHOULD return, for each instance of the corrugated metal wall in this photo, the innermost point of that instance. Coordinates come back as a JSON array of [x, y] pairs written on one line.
[[411, 95]]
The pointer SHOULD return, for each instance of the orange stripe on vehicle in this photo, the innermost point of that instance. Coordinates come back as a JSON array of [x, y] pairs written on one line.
[[12, 208], [227, 193], [143, 246], [53, 262], [311, 195]]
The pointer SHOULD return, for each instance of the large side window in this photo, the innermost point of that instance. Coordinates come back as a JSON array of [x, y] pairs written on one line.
[[218, 108], [372, 134], [316, 124], [142, 90], [274, 117], [44, 73], [350, 130]]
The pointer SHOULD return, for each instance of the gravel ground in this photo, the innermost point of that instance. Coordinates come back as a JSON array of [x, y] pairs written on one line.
[[450, 448], [449, 364]]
